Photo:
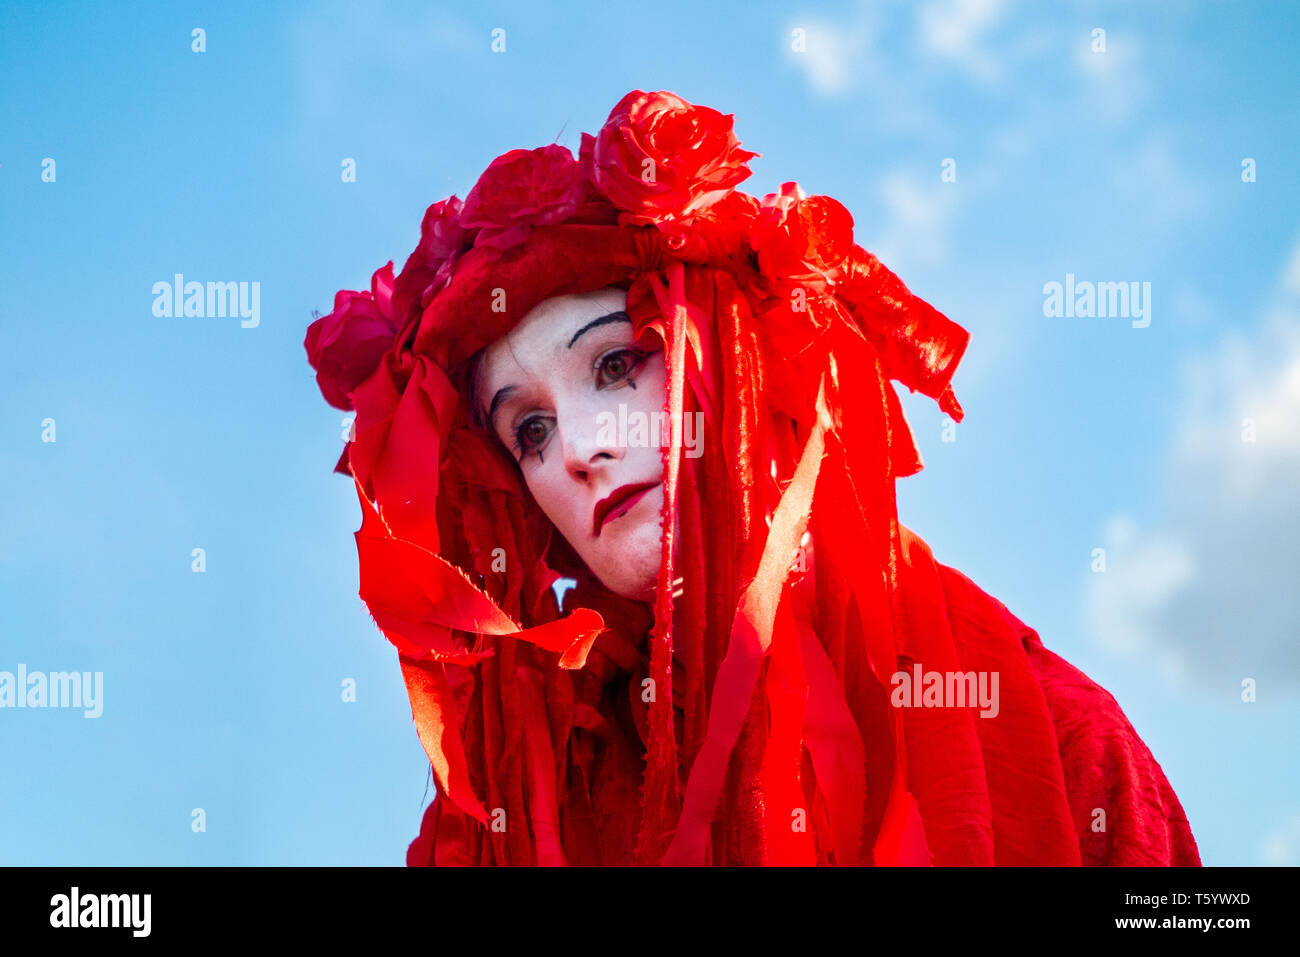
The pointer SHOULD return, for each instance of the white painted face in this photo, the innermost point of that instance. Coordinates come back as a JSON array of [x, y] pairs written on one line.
[[551, 391]]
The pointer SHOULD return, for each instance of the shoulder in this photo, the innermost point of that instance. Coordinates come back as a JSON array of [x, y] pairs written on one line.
[[1124, 808]]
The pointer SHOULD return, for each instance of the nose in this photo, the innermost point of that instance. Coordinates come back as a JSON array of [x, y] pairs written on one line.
[[590, 443]]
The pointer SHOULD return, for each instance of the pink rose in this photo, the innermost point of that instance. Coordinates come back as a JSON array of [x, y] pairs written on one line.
[[346, 346], [522, 189], [428, 269]]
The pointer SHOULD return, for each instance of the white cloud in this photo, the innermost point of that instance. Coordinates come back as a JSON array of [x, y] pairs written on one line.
[[863, 59], [919, 211], [955, 29], [1143, 576], [1113, 85], [1282, 845], [828, 52], [1209, 593]]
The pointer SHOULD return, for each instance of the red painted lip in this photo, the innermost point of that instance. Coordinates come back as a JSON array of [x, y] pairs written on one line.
[[622, 498]]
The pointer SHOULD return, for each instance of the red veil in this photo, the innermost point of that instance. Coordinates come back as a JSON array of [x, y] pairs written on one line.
[[746, 718]]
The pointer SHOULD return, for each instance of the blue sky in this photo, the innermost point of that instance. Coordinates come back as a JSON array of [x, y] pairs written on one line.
[[222, 689]]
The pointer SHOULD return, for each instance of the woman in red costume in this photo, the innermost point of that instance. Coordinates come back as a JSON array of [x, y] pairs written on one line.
[[622, 371]]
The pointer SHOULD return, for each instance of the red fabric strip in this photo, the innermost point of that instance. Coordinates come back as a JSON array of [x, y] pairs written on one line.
[[751, 637], [434, 711], [835, 746], [787, 818], [540, 765], [660, 793]]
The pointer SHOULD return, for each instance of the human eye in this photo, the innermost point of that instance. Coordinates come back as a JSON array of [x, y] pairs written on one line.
[[531, 435], [616, 367]]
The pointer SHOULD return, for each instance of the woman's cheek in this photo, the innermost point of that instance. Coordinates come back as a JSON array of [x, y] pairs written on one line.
[[558, 496], [652, 385]]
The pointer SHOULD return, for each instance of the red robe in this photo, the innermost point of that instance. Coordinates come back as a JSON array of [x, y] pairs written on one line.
[[1079, 788], [774, 737]]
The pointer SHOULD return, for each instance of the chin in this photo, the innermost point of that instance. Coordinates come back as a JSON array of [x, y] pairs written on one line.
[[631, 565]]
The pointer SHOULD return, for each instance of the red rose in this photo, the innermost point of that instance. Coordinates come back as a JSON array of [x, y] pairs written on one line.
[[442, 239], [348, 344], [522, 189], [661, 159], [718, 235], [804, 240]]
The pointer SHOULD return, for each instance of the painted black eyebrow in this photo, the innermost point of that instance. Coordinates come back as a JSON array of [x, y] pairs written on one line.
[[619, 316], [501, 396], [504, 393]]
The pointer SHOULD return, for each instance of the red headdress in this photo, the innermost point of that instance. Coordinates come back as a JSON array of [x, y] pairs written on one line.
[[746, 719]]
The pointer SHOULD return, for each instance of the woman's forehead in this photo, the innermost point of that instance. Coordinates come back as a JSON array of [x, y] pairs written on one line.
[[550, 326]]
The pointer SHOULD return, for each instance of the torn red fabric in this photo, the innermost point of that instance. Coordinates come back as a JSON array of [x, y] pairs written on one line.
[[751, 714]]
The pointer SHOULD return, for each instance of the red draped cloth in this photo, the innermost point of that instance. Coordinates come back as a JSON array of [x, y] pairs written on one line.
[[1059, 751], [746, 716]]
